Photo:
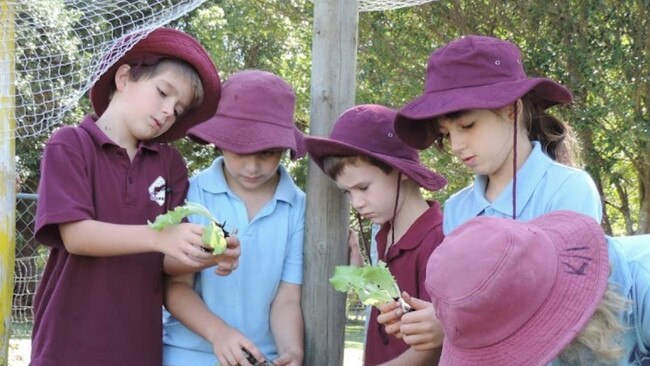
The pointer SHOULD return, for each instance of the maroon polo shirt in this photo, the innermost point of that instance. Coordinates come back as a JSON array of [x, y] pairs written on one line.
[[407, 260], [101, 311]]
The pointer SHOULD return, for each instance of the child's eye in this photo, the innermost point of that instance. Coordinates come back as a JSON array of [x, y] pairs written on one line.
[[162, 92], [467, 126]]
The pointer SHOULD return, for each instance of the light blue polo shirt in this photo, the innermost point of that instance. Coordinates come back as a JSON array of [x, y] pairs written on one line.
[[543, 186], [629, 257], [272, 250]]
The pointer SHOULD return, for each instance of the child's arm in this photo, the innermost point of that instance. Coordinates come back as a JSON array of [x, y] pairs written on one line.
[[225, 263], [100, 239], [185, 304], [287, 324]]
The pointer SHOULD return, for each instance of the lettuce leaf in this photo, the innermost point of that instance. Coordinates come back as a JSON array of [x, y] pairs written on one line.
[[213, 234], [373, 284]]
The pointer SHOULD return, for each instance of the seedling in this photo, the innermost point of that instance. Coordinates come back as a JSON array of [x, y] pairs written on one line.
[[214, 234]]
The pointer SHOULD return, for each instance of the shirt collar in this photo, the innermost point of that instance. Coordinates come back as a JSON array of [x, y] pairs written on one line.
[[528, 178], [100, 139], [213, 180], [416, 233]]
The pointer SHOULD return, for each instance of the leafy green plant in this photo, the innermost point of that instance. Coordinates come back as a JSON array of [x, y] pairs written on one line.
[[213, 233], [373, 284]]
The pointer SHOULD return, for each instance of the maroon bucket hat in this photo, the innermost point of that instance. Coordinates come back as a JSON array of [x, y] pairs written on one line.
[[511, 293], [368, 130], [473, 72], [255, 114], [157, 45]]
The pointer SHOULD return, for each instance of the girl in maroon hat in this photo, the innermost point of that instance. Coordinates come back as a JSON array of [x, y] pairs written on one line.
[[479, 103], [100, 300], [383, 177]]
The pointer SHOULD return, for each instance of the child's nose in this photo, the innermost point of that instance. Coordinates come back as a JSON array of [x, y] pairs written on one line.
[[456, 142]]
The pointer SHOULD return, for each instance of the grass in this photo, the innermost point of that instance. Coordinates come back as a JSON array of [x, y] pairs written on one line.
[[354, 336]]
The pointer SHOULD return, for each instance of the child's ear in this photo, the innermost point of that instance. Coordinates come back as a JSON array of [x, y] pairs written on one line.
[[510, 110], [122, 76]]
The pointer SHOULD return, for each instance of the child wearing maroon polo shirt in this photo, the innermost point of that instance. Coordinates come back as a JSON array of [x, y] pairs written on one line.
[[100, 300], [383, 177]]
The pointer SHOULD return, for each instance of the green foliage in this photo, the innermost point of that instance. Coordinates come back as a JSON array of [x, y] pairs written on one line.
[[213, 234], [373, 285]]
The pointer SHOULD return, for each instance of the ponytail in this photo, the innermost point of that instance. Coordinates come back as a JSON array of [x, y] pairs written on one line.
[[555, 136]]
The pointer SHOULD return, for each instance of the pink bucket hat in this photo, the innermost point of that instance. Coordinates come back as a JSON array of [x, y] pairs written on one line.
[[513, 293], [368, 130], [473, 72], [157, 45], [255, 114]]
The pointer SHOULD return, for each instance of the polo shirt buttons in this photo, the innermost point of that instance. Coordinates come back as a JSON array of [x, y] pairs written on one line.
[[489, 211]]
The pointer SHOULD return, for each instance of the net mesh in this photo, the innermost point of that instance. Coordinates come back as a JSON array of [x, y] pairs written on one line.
[[59, 45], [380, 5]]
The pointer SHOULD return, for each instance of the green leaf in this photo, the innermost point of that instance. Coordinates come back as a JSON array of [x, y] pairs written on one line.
[[213, 234], [213, 237], [373, 284]]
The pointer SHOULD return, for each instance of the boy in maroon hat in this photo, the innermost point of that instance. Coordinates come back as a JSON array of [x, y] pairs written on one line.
[[383, 177], [255, 313], [100, 300]]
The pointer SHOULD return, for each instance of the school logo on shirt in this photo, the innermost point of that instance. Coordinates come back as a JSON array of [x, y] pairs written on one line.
[[157, 191]]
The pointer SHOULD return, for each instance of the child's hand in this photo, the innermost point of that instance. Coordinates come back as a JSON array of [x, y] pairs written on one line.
[[229, 348], [288, 359], [183, 242], [389, 317], [228, 261], [421, 329], [356, 259]]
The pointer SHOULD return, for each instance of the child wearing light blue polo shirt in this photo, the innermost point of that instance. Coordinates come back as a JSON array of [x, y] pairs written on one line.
[[479, 103], [255, 312]]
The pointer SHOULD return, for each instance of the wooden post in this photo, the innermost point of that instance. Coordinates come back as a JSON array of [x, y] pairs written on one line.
[[326, 228], [7, 175]]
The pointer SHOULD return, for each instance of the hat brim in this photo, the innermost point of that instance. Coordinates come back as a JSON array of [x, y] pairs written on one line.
[[175, 44], [243, 136], [412, 119], [320, 147], [571, 305]]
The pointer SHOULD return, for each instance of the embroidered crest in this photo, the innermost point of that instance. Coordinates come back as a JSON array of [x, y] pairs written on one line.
[[157, 191]]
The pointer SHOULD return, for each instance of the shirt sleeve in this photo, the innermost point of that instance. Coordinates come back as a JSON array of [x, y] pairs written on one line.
[[579, 193], [65, 189], [641, 302], [292, 268]]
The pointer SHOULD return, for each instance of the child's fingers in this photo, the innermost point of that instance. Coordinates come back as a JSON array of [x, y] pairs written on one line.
[[414, 302]]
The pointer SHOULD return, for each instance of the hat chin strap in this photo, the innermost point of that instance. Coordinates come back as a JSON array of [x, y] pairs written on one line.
[[392, 223], [514, 164]]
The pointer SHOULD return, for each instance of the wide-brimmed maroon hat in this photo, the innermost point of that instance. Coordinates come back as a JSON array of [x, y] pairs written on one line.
[[473, 72], [368, 130], [512, 293], [160, 44], [255, 114]]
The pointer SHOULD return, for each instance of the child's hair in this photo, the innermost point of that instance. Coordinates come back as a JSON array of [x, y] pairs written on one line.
[[144, 72], [333, 165], [555, 136], [599, 341]]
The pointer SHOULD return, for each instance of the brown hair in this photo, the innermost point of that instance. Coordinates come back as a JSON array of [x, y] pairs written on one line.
[[137, 72], [554, 135], [333, 165]]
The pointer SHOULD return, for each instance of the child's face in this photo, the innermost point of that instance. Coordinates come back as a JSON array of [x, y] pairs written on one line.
[[152, 105], [481, 139], [250, 172], [372, 192]]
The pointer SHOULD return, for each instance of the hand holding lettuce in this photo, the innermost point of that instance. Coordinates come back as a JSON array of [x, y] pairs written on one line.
[[213, 233]]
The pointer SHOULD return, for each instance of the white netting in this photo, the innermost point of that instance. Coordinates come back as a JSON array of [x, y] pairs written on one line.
[[380, 5], [58, 46]]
